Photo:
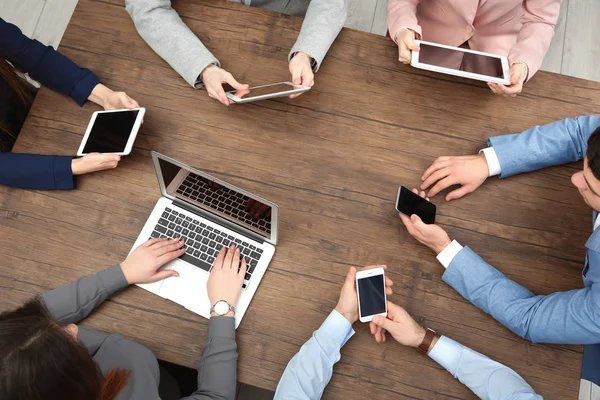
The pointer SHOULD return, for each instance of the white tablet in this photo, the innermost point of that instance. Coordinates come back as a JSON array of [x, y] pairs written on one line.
[[112, 132], [461, 62], [280, 89]]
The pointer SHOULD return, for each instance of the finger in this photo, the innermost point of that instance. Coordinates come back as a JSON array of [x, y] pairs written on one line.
[[418, 223], [434, 177], [388, 282], [162, 243], [382, 322], [150, 242], [350, 277], [220, 259], [229, 257], [168, 257], [422, 194], [392, 310], [308, 78], [221, 96], [169, 247], [234, 84], [415, 191], [438, 164], [458, 193], [441, 185], [405, 220], [297, 76], [405, 55], [235, 262], [372, 328], [164, 274], [242, 271], [133, 103]]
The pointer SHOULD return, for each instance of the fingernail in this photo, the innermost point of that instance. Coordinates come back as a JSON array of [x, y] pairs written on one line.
[[176, 274]]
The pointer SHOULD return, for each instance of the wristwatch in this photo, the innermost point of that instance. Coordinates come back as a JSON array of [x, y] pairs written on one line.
[[429, 335], [221, 308]]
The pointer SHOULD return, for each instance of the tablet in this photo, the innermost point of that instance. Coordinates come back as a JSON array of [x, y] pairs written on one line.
[[112, 132], [280, 89], [461, 62]]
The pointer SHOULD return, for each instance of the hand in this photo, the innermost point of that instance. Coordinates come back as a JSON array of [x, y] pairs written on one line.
[[430, 235], [467, 171], [400, 325], [214, 78], [301, 70], [111, 100], [142, 265], [225, 281], [348, 303], [94, 162], [518, 74], [406, 43]]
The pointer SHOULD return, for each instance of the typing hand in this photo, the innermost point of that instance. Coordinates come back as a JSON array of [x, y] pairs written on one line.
[[214, 78], [301, 70], [406, 44], [467, 171], [518, 74], [399, 324], [225, 281], [94, 162], [348, 303], [142, 265], [430, 235]]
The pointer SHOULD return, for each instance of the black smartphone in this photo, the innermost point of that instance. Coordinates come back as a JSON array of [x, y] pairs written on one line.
[[409, 203]]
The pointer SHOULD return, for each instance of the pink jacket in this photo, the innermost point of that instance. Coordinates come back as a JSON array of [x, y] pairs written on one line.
[[519, 29]]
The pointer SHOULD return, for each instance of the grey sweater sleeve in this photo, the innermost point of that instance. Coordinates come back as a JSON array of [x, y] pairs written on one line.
[[323, 22], [217, 372], [73, 302], [164, 31]]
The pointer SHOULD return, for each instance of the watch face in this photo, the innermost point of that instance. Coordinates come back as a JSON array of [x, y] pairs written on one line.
[[221, 307]]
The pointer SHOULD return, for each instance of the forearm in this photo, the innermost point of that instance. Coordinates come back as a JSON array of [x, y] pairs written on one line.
[[487, 378], [73, 302], [556, 143], [402, 14], [217, 371], [308, 372], [33, 171], [323, 22], [164, 31]]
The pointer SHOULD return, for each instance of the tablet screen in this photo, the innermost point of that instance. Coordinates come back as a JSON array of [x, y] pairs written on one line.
[[110, 132], [460, 60]]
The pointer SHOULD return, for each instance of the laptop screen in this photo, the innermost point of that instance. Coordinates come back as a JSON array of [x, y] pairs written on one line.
[[220, 199]]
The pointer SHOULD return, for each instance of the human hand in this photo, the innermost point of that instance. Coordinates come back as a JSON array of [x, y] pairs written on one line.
[[301, 70], [225, 281], [94, 162], [143, 263], [518, 74], [399, 324], [348, 302], [406, 43], [467, 171], [214, 78], [111, 100], [430, 235]]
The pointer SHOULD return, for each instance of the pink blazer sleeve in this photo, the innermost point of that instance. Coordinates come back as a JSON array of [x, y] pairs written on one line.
[[539, 19], [402, 14]]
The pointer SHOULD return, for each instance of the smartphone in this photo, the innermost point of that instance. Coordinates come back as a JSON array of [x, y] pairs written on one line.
[[112, 131], [409, 203], [370, 288]]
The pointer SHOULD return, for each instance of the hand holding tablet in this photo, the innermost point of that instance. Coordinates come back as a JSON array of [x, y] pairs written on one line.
[[112, 132], [280, 89]]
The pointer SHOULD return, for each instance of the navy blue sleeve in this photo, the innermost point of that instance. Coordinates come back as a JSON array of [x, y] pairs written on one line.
[[32, 171], [45, 64]]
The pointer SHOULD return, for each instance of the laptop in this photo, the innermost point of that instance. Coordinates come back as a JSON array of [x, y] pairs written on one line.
[[208, 214]]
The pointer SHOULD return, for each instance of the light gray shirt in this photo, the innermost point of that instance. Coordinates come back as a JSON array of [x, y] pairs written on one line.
[[162, 28], [217, 371]]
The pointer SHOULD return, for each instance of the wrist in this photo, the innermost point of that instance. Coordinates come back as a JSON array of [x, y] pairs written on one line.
[[100, 94], [440, 247], [75, 166], [419, 337], [302, 55], [208, 68], [433, 343], [350, 316], [126, 273], [229, 314]]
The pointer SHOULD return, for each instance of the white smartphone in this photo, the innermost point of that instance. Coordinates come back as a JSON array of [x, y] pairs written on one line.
[[280, 89], [370, 288], [112, 132], [461, 62]]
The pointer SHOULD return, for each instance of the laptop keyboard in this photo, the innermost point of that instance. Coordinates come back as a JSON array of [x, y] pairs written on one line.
[[203, 242], [222, 199]]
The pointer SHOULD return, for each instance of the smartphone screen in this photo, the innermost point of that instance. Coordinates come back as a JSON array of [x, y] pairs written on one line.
[[371, 292], [111, 132], [409, 203], [461, 60]]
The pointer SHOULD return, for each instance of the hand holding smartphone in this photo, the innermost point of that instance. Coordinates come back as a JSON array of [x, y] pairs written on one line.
[[371, 293], [409, 203]]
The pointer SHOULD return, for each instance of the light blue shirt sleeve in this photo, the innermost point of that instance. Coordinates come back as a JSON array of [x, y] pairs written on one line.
[[309, 372], [487, 378]]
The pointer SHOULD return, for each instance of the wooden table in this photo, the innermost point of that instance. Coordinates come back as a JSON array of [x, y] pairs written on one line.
[[332, 159]]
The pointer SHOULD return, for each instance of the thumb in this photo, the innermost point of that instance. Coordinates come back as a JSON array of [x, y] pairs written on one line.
[[350, 277], [160, 275], [234, 84], [517, 77], [382, 322], [417, 222], [297, 77]]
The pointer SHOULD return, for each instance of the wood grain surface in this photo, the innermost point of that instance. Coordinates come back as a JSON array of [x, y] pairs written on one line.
[[332, 159]]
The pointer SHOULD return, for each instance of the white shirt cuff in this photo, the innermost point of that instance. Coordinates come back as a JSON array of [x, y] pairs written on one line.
[[446, 352], [492, 161], [447, 255], [337, 328]]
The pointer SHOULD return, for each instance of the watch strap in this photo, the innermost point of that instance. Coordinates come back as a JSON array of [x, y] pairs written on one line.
[[426, 343]]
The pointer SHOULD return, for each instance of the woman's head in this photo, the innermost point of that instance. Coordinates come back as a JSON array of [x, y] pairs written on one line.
[[41, 360]]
